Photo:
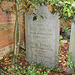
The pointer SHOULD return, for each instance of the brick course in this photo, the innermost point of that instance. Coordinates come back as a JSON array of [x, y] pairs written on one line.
[[7, 23]]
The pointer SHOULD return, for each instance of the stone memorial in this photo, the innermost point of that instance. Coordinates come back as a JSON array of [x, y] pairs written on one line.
[[42, 37], [72, 46]]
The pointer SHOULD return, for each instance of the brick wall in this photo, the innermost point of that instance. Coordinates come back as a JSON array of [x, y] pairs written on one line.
[[7, 23]]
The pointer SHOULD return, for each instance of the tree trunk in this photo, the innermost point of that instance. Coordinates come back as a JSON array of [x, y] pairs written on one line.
[[19, 29], [15, 42]]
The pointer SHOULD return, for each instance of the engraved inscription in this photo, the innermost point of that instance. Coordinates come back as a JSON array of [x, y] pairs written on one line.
[[42, 37]]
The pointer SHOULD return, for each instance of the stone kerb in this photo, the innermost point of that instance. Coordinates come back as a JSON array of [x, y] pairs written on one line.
[[72, 47]]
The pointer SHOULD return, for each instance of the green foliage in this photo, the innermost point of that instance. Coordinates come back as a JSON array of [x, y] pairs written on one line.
[[65, 8], [32, 69], [60, 37], [65, 28], [1, 72], [56, 68], [66, 32], [70, 62]]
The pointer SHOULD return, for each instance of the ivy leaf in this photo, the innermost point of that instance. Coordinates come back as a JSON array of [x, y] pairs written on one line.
[[71, 11], [69, 14], [73, 5], [38, 17], [2, 73], [68, 10], [61, 2]]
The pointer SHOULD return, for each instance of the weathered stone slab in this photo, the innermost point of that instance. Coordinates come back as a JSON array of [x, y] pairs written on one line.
[[42, 37], [72, 46]]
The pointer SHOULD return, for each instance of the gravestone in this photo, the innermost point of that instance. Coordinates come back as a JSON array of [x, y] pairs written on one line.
[[72, 46], [42, 37]]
